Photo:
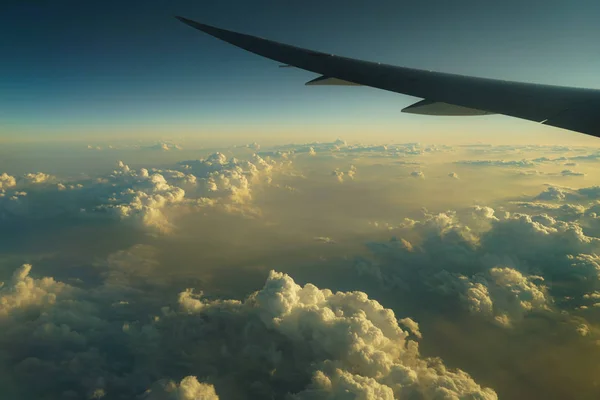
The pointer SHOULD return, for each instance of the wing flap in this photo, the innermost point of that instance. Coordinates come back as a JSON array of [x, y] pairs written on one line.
[[430, 107], [329, 81]]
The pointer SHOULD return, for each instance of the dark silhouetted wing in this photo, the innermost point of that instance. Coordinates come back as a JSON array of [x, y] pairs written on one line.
[[576, 109]]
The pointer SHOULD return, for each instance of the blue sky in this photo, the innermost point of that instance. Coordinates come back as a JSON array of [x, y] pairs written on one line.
[[75, 69]]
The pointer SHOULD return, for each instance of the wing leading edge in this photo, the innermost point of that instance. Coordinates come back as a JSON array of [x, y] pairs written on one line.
[[575, 109]]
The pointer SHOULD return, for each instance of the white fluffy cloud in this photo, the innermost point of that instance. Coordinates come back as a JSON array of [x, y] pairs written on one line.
[[7, 181], [146, 197], [412, 325], [285, 339], [37, 178], [501, 294], [232, 179], [499, 265], [188, 389], [49, 316], [340, 175], [23, 291], [351, 172], [340, 384], [553, 193], [164, 146], [564, 210], [354, 345]]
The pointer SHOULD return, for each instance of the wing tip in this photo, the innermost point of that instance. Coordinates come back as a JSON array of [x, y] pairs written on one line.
[[194, 24], [183, 19]]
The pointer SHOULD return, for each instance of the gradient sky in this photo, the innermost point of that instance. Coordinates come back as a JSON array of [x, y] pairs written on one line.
[[93, 70]]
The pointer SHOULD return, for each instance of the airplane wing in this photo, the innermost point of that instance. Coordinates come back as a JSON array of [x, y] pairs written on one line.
[[575, 109]]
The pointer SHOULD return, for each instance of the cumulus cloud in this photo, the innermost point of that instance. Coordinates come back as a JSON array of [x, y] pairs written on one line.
[[592, 192], [565, 211], [283, 340], [545, 242], [553, 193], [412, 325], [46, 312], [496, 264], [502, 294], [232, 178], [23, 291], [595, 295], [351, 172], [339, 175], [37, 178], [347, 342], [146, 197], [165, 146], [7, 181], [188, 389]]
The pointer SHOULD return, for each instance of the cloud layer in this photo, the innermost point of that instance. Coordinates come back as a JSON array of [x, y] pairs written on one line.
[[145, 273]]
